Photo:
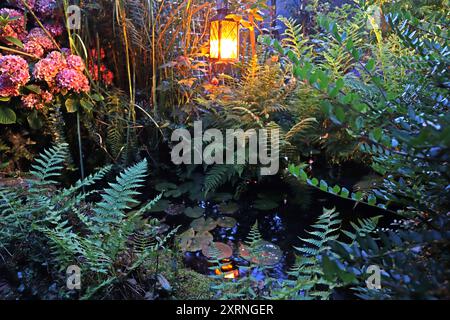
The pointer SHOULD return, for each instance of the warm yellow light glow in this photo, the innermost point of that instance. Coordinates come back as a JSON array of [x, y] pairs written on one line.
[[224, 40], [214, 49]]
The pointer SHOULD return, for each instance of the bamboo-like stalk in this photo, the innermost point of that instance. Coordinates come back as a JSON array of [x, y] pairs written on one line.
[[19, 52]]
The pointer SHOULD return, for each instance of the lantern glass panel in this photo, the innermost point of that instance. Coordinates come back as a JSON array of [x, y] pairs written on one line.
[[224, 40], [214, 40]]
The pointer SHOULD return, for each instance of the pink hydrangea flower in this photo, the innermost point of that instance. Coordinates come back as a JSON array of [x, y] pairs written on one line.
[[34, 48], [39, 36], [14, 74], [46, 96], [19, 4], [47, 69], [62, 72], [7, 88], [55, 29], [71, 79], [36, 101], [15, 68], [15, 27], [75, 62], [32, 101]]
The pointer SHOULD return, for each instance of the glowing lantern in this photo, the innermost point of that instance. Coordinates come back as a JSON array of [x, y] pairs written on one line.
[[224, 38]]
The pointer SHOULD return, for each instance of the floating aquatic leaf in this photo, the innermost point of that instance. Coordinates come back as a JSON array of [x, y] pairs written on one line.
[[226, 222], [195, 212], [192, 241], [185, 239], [265, 204], [174, 209], [265, 253], [228, 208], [201, 224], [204, 237], [217, 250]]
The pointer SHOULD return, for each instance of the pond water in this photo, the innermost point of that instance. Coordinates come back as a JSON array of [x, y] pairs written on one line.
[[281, 226]]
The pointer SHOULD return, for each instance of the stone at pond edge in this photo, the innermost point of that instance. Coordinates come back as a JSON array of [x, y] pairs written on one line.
[[264, 254], [217, 250]]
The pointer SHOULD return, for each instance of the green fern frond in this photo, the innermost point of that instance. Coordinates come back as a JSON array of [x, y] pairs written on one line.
[[49, 164], [120, 195]]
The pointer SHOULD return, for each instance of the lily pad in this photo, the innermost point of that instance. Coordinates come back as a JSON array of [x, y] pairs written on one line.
[[226, 222], [192, 241], [185, 239], [264, 254], [174, 209], [217, 250], [265, 204], [204, 237], [228, 208], [201, 224], [195, 212]]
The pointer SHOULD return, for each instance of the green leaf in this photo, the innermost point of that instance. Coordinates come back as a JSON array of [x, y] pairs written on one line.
[[357, 196], [323, 185], [71, 105], [7, 116], [314, 182], [86, 104], [345, 192], [372, 200], [377, 133], [336, 189], [370, 65], [340, 114], [35, 121], [97, 97], [15, 41], [34, 88]]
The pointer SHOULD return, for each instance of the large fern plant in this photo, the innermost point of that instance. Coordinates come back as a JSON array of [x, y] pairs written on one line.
[[65, 226]]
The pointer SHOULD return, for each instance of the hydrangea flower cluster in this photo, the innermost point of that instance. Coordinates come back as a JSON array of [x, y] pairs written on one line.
[[46, 8], [62, 73], [19, 4], [16, 26], [36, 101], [14, 74], [43, 8], [37, 42]]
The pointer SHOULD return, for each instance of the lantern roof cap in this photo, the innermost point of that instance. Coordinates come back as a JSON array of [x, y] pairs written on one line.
[[222, 14]]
